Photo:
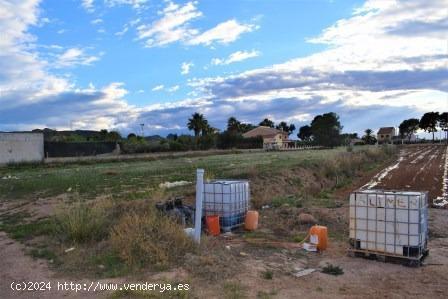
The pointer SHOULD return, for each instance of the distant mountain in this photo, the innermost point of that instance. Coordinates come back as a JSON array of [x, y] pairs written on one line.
[[153, 138], [51, 134]]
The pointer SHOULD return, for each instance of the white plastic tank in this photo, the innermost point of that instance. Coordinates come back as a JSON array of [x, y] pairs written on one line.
[[389, 222], [229, 199]]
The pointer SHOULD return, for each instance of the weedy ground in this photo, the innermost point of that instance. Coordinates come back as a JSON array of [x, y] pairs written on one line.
[[98, 220]]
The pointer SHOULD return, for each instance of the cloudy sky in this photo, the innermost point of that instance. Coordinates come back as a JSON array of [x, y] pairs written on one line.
[[114, 64]]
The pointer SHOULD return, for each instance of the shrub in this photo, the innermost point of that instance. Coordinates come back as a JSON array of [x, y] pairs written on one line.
[[206, 142], [176, 146], [227, 140], [289, 200], [234, 290], [138, 146], [83, 222], [268, 274], [332, 270], [149, 238]]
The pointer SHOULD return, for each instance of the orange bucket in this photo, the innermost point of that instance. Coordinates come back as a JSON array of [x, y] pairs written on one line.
[[213, 226], [251, 221]]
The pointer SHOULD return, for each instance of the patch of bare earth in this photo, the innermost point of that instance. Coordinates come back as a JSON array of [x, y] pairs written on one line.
[[421, 169], [17, 267]]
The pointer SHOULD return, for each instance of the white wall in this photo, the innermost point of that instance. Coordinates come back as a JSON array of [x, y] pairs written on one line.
[[21, 147]]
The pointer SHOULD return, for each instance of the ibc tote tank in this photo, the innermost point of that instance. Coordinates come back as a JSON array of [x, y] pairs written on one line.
[[229, 199], [393, 223]]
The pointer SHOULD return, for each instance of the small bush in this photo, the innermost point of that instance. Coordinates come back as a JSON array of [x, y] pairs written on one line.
[[234, 290], [290, 200], [267, 274], [83, 222], [300, 237], [332, 270], [149, 238]]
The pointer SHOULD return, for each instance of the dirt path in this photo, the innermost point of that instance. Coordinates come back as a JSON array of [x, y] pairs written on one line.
[[17, 267]]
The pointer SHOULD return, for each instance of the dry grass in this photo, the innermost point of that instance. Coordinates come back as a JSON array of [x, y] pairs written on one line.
[[83, 222], [149, 239]]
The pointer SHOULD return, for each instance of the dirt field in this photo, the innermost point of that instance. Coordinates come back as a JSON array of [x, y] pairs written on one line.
[[245, 268], [419, 168]]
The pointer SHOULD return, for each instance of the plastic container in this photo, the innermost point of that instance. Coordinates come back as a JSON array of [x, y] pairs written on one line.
[[389, 222], [229, 199], [251, 221], [213, 226], [319, 236]]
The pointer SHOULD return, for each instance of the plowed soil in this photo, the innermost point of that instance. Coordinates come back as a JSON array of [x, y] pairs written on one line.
[[418, 168]]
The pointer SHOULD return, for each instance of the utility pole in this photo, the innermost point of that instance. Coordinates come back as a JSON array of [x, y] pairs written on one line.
[[143, 129]]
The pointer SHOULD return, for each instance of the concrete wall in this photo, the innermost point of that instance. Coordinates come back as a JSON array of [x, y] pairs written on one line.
[[21, 147]]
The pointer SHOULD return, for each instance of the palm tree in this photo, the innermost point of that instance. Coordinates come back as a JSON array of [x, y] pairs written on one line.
[[209, 130], [197, 123], [368, 138], [233, 125]]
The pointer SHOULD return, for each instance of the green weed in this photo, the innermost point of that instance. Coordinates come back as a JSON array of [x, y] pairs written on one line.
[[290, 200], [268, 274], [332, 270], [234, 290], [15, 227]]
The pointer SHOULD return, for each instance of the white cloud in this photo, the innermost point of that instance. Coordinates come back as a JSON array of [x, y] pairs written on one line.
[[43, 21], [88, 5], [224, 33], [140, 91], [96, 21], [385, 63], [185, 67], [300, 117], [123, 31], [75, 56], [173, 88], [60, 31], [136, 4], [235, 57], [127, 26], [172, 27], [158, 87], [372, 60], [30, 95]]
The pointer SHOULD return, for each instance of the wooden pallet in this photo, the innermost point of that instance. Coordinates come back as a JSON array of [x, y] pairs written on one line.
[[388, 258]]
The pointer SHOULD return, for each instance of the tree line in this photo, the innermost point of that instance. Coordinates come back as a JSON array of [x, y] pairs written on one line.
[[324, 130], [429, 122]]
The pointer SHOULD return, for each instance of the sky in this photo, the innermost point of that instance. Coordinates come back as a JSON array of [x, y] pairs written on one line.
[[116, 64]]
